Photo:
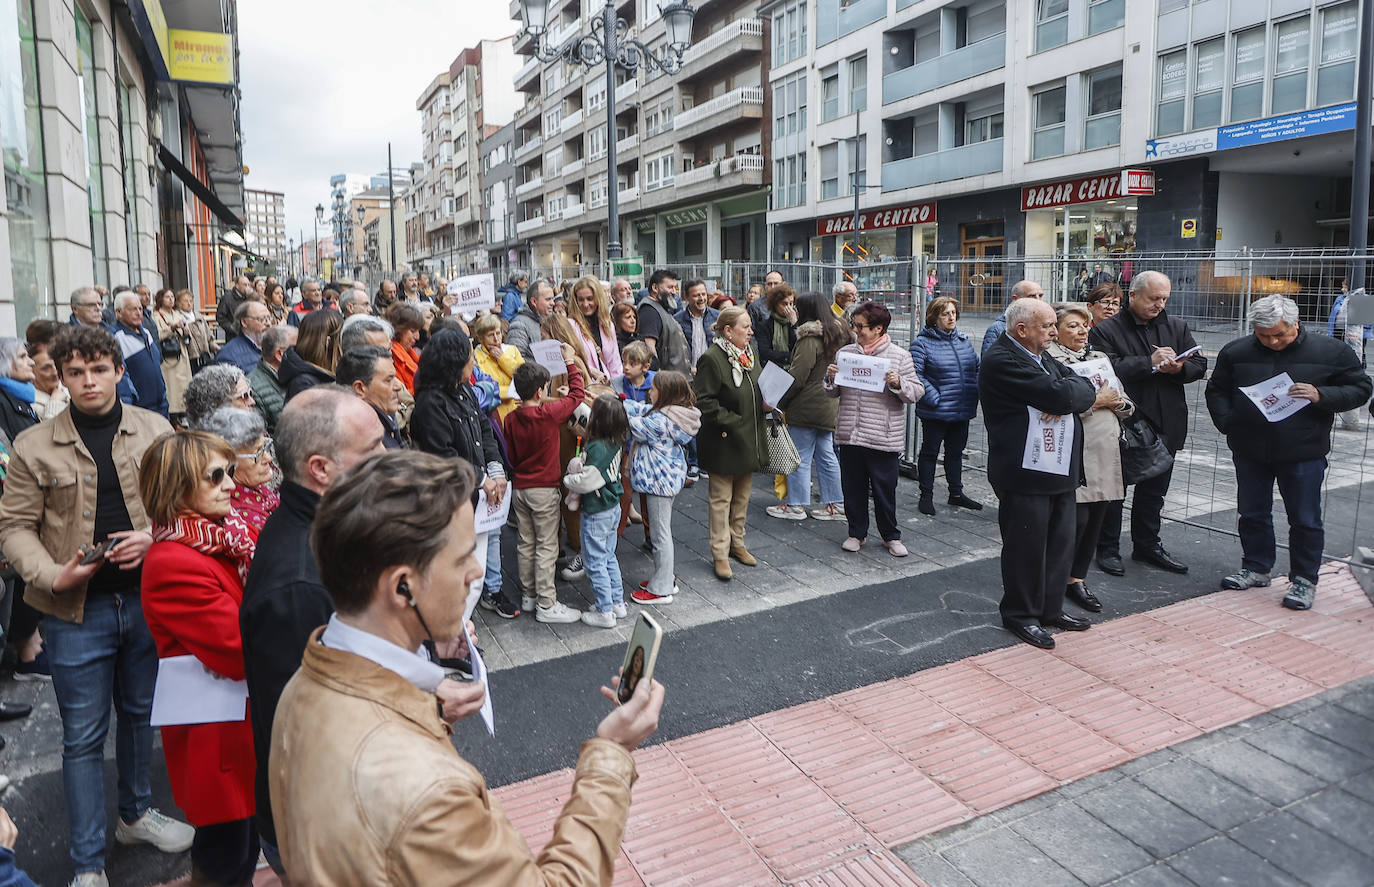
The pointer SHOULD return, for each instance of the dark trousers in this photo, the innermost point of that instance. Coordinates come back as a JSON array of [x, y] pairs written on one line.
[[1037, 548], [865, 472], [954, 436], [225, 853], [1300, 486], [1147, 503], [1088, 527]]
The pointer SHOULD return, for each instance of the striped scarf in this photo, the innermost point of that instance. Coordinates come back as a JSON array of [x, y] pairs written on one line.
[[230, 538]]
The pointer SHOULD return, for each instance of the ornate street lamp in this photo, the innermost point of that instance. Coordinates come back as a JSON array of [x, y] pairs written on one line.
[[610, 42], [319, 217]]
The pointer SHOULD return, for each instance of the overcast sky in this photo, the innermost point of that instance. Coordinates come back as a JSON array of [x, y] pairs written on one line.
[[327, 84]]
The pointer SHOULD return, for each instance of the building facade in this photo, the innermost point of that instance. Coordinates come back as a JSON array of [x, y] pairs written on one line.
[[265, 215], [691, 160], [503, 247], [1088, 130], [120, 166]]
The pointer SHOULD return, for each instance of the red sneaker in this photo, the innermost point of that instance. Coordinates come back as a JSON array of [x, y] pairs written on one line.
[[642, 596]]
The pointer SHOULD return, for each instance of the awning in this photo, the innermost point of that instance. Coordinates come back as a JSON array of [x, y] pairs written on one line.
[[198, 188]]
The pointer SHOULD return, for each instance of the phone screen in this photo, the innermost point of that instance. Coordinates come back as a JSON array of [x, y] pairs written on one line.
[[640, 655]]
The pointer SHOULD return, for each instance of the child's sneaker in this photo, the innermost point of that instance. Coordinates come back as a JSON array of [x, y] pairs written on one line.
[[574, 569], [500, 605], [558, 613], [786, 512], [599, 619], [829, 512], [642, 596], [528, 602], [620, 610]]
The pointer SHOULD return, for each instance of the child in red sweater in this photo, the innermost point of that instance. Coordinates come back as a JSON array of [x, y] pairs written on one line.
[[532, 444]]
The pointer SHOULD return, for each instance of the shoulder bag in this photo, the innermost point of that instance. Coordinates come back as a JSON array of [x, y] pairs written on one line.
[[1143, 454], [782, 456]]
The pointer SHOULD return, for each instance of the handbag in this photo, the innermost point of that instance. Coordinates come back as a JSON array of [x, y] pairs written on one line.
[[781, 456], [1143, 454], [170, 346]]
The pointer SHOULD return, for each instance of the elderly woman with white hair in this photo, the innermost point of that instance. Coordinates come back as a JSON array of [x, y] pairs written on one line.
[[219, 385], [255, 469]]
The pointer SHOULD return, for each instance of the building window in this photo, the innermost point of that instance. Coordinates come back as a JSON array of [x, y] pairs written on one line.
[[830, 171], [658, 171], [1292, 48], [1103, 15], [1051, 24], [1103, 124], [22, 156], [1209, 76], [830, 93], [789, 113], [789, 181], [128, 153], [1048, 106], [90, 132], [1247, 77], [789, 33], [1336, 74], [858, 84], [596, 143], [982, 126], [1173, 92], [980, 21]]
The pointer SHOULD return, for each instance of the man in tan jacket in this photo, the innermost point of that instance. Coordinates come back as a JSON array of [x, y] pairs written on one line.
[[73, 486], [366, 785]]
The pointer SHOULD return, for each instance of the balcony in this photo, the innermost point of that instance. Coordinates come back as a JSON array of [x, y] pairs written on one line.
[[725, 168], [525, 150], [528, 225], [529, 187], [725, 44], [737, 104], [572, 211], [573, 167], [629, 195], [571, 120], [626, 94], [527, 113], [624, 146], [977, 159], [976, 58], [526, 73]]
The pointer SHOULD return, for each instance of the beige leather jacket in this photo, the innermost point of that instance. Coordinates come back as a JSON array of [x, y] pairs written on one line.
[[367, 788], [48, 510]]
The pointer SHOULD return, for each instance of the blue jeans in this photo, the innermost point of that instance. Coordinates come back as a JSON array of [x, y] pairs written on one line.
[[110, 657], [598, 556], [1300, 485], [820, 445], [491, 584]]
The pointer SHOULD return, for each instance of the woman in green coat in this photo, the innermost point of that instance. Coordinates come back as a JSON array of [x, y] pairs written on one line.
[[730, 445]]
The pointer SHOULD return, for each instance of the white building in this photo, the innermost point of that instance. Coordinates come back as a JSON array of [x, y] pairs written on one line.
[[265, 215]]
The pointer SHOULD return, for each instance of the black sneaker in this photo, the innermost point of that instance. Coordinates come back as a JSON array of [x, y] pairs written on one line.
[[500, 605]]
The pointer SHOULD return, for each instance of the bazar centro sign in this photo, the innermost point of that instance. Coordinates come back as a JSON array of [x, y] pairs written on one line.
[[1123, 183], [874, 219]]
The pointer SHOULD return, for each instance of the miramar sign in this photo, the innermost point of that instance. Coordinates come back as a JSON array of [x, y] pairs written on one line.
[[1337, 118]]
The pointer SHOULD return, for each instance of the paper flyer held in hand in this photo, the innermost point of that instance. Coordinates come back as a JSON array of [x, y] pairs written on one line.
[[1099, 372], [774, 383], [475, 293], [1049, 444], [861, 371], [187, 692], [548, 353], [1271, 398], [479, 675]]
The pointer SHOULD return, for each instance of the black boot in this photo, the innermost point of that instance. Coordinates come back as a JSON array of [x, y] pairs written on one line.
[[963, 501], [927, 504]]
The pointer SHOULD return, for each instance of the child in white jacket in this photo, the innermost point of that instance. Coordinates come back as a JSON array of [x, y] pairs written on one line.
[[661, 430]]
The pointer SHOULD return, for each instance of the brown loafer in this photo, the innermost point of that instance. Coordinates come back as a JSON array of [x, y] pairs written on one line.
[[743, 556], [723, 571]]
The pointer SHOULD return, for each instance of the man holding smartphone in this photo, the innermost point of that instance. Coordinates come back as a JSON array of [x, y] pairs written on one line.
[[397, 560], [72, 487]]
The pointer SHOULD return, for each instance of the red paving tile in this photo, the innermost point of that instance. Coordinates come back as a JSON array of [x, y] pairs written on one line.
[[817, 794]]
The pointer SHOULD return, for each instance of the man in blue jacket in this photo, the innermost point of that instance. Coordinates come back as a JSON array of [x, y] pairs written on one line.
[[86, 311], [512, 295], [142, 357], [245, 350], [1024, 289]]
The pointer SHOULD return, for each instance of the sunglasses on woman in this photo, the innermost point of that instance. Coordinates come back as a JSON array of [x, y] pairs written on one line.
[[217, 476]]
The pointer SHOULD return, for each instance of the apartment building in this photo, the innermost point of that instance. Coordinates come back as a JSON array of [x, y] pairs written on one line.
[[504, 249], [265, 215], [455, 109], [1086, 129], [690, 154]]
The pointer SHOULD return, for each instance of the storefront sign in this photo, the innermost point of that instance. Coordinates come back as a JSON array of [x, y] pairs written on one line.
[[683, 217], [875, 219], [1337, 118], [151, 24], [1198, 142], [1108, 186], [201, 57]]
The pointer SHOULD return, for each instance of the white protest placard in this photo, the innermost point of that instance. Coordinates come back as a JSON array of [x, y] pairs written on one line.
[[475, 292], [861, 371], [479, 674], [187, 692], [1097, 371], [1049, 444], [774, 382], [489, 518], [1271, 398], [548, 353]]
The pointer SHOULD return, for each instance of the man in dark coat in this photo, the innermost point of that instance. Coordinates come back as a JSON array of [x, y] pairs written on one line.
[[1144, 344], [1036, 513], [1281, 445], [229, 305]]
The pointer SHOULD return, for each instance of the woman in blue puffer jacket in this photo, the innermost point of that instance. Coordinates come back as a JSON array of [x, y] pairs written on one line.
[[947, 364]]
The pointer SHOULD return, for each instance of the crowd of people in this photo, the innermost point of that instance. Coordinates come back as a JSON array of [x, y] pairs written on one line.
[[291, 503]]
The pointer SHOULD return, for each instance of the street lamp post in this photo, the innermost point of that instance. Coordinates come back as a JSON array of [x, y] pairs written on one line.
[[359, 258], [319, 217], [610, 42]]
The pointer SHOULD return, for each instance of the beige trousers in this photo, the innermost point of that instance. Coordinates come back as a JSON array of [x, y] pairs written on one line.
[[728, 498], [536, 514]]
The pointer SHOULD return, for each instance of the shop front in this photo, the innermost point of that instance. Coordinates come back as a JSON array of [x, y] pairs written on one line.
[[887, 239], [731, 230]]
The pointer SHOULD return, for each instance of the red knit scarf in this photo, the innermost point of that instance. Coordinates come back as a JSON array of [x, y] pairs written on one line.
[[254, 505], [229, 538]]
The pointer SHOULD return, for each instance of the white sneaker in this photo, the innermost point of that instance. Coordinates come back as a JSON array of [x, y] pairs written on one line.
[[620, 610], [786, 512], [528, 602], [4, 782], [90, 879], [558, 613], [163, 832], [598, 619], [829, 512]]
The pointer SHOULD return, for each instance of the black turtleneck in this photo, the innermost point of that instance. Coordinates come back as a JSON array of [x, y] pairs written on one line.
[[111, 514]]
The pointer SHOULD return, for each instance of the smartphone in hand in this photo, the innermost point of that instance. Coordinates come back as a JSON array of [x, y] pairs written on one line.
[[640, 655], [96, 552]]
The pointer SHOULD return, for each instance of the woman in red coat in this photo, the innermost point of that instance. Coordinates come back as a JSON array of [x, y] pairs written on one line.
[[192, 587]]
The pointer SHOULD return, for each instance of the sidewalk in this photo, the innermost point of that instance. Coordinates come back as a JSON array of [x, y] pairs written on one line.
[[841, 790]]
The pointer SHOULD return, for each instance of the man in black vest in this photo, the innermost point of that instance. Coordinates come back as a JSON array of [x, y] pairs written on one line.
[[1036, 511]]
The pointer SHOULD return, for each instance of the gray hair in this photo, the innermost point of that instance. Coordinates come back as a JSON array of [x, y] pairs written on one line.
[[9, 350], [125, 298], [309, 426], [82, 291], [1022, 311], [1271, 311], [356, 328], [1147, 280], [275, 337], [839, 289], [534, 287], [210, 389], [240, 428], [516, 275]]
